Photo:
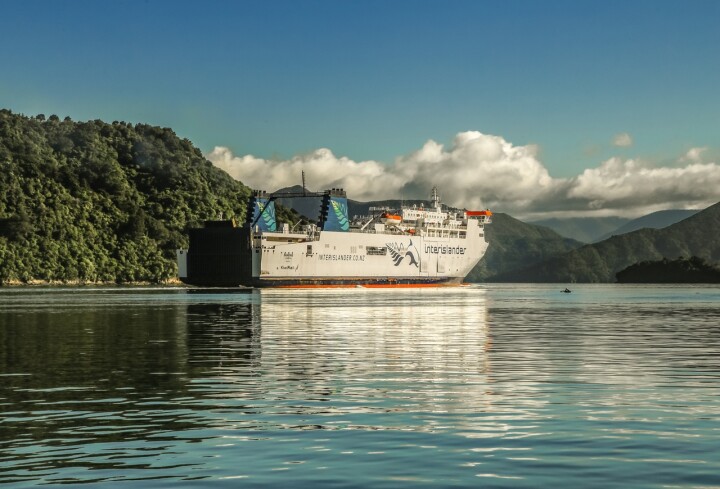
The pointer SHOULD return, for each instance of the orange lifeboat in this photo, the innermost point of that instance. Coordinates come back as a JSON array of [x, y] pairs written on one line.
[[388, 218], [486, 213]]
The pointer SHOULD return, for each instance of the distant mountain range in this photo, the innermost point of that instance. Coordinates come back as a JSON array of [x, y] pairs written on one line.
[[695, 236], [594, 229], [656, 220], [585, 229]]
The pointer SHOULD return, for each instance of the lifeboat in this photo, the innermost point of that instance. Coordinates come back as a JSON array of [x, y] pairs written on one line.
[[486, 213], [388, 218]]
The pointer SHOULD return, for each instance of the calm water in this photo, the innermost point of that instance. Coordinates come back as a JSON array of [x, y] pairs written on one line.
[[487, 386]]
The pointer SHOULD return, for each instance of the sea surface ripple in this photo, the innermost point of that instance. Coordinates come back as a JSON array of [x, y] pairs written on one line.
[[478, 386]]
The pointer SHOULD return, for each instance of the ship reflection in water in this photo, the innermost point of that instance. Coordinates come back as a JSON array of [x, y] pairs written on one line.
[[342, 358]]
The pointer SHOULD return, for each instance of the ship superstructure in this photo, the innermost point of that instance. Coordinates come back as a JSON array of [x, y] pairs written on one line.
[[412, 246]]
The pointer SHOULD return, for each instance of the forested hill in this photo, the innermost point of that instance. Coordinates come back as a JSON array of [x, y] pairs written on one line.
[[98, 202], [516, 245], [691, 270], [695, 236]]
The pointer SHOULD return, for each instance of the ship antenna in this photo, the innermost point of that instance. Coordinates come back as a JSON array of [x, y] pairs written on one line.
[[435, 198]]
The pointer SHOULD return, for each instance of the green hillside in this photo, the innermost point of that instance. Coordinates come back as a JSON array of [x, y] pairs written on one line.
[[599, 262], [515, 244], [98, 202]]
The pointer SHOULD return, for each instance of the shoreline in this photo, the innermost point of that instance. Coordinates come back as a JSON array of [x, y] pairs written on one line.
[[173, 282]]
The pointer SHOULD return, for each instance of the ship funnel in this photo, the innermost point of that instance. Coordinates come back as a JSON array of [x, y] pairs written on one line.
[[334, 211], [261, 212]]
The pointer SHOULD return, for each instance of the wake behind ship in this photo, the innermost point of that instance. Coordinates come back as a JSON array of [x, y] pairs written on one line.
[[415, 246]]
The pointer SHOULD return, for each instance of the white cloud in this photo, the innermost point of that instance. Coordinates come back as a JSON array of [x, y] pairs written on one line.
[[365, 180], [694, 155], [623, 140], [631, 184], [479, 170]]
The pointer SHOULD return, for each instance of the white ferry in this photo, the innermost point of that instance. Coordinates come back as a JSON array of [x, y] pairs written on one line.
[[415, 246]]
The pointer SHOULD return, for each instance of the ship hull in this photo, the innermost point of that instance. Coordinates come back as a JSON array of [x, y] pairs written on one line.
[[349, 282], [325, 282]]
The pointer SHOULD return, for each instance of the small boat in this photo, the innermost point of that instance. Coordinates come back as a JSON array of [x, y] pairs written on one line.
[[566, 291], [388, 218]]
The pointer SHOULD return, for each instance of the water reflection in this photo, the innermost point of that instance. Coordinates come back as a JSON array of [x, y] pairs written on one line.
[[380, 350], [388, 388], [222, 335], [317, 354]]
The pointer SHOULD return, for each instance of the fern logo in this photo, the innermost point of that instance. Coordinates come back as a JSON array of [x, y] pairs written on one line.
[[267, 216], [341, 212], [398, 253]]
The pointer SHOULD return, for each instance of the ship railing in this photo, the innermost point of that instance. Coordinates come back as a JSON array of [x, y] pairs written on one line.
[[374, 231]]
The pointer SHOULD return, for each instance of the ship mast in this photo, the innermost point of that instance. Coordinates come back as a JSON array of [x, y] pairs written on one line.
[[435, 199]]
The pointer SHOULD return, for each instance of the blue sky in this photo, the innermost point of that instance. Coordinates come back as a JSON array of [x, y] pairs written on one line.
[[375, 80]]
